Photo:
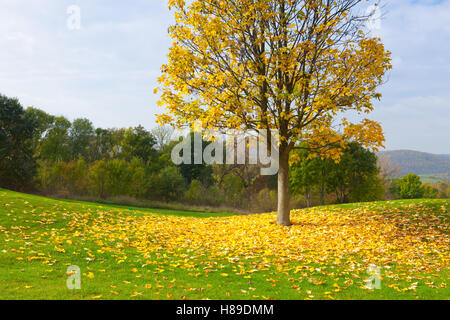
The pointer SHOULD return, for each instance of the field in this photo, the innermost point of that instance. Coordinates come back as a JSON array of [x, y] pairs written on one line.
[[130, 253], [435, 178]]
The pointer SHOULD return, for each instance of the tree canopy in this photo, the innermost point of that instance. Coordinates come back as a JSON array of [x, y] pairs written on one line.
[[17, 162], [290, 65]]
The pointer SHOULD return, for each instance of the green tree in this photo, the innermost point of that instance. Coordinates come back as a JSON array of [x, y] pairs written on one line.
[[56, 144], [371, 188], [17, 164], [43, 121], [168, 184], [118, 177], [408, 187], [194, 193], [444, 190], [44, 176], [139, 143], [98, 178], [77, 177], [201, 172], [138, 184], [430, 192], [233, 187], [306, 173], [107, 143], [354, 177], [81, 136]]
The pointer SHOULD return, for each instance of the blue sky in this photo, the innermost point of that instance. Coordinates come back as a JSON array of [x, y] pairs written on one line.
[[107, 70]]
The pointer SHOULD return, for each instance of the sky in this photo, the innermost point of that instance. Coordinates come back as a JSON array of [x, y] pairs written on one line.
[[107, 69]]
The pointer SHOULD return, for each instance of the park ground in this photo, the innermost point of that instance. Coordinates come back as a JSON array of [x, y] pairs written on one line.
[[134, 253]]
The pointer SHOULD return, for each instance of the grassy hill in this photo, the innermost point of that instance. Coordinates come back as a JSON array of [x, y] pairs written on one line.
[[130, 253], [420, 163]]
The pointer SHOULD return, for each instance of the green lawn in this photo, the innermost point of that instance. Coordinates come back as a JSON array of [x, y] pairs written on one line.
[[133, 253]]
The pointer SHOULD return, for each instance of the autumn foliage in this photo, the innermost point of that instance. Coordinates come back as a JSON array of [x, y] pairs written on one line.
[[289, 65]]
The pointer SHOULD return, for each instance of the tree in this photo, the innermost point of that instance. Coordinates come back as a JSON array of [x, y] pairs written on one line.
[[162, 136], [17, 163], [388, 171], [194, 193], [408, 187], [118, 177], [81, 137], [98, 178], [354, 178], [201, 172], [55, 146], [234, 189], [138, 181], [168, 184], [79, 177], [139, 143], [430, 192], [107, 143], [290, 65], [443, 189], [305, 174], [43, 121]]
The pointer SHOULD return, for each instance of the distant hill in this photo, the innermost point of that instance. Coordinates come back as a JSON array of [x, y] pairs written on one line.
[[420, 163]]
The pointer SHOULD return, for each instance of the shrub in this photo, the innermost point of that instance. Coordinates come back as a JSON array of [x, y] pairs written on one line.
[[265, 201], [167, 185], [98, 179], [118, 177], [194, 194], [233, 188], [429, 192], [371, 189], [138, 184], [408, 187], [213, 197]]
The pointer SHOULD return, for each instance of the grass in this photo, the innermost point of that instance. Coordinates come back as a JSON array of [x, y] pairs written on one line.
[[138, 253], [155, 207]]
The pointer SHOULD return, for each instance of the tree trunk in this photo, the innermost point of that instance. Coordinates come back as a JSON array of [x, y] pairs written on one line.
[[322, 191], [284, 214], [308, 198], [322, 194]]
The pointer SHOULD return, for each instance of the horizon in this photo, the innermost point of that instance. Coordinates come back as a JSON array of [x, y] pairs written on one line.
[[410, 150]]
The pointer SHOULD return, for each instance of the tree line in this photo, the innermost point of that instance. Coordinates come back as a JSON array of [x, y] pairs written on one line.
[[51, 155]]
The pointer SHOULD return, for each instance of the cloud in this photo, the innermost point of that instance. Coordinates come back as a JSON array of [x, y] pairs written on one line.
[[417, 123], [107, 70], [415, 109]]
